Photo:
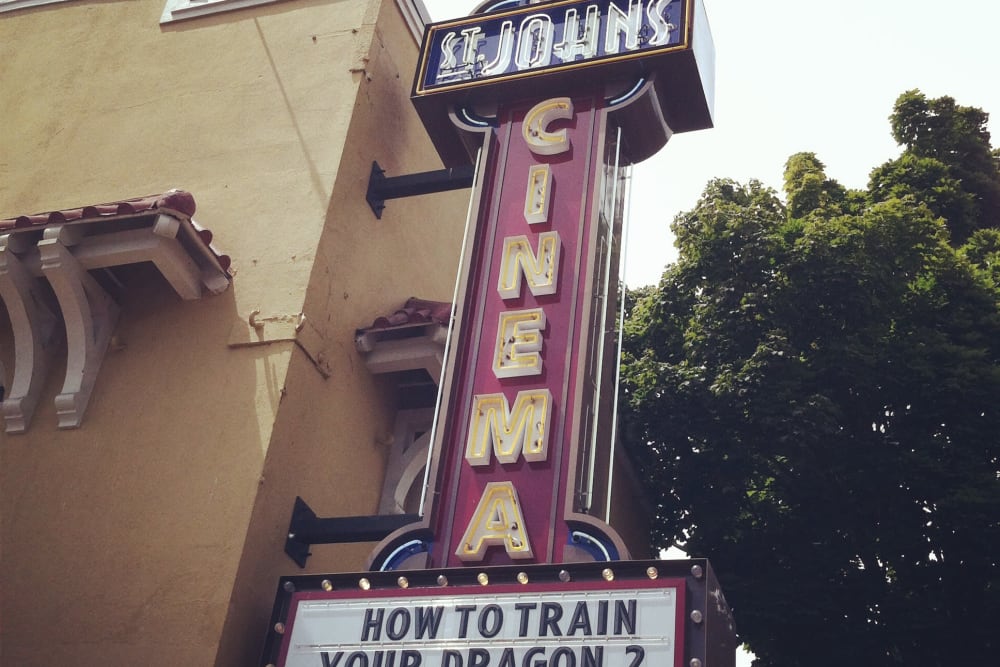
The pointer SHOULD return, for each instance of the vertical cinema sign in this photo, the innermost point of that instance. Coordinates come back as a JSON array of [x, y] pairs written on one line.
[[520, 381], [558, 97]]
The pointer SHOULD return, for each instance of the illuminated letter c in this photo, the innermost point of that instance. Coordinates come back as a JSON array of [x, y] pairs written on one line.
[[534, 129]]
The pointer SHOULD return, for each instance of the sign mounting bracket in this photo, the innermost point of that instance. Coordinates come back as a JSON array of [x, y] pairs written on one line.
[[382, 187], [306, 529]]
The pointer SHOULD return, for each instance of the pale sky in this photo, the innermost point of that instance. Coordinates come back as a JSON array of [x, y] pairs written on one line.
[[806, 75]]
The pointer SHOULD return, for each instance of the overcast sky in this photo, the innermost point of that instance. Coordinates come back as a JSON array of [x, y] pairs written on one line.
[[806, 75]]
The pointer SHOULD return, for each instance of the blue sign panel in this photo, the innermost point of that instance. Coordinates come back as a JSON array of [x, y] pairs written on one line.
[[548, 37]]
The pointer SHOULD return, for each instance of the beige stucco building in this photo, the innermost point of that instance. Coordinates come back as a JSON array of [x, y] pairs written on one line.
[[168, 391], [152, 532]]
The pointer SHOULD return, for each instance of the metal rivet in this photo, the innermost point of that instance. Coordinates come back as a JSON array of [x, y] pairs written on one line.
[[697, 616], [289, 587], [608, 574], [652, 572], [279, 627], [695, 662], [442, 580], [403, 582], [326, 585], [522, 577], [697, 573], [364, 584], [483, 578], [564, 576]]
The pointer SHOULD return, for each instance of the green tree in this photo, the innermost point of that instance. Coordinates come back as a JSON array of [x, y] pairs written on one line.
[[812, 394], [808, 189], [947, 162]]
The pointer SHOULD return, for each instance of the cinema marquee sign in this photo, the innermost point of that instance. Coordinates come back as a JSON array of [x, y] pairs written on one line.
[[548, 37], [553, 100], [512, 561], [637, 623]]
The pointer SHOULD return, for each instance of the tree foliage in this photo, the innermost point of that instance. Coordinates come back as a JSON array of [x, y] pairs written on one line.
[[953, 141], [812, 394]]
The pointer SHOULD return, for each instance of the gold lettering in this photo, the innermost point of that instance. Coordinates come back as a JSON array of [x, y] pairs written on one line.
[[509, 434], [519, 261], [519, 343], [497, 520]]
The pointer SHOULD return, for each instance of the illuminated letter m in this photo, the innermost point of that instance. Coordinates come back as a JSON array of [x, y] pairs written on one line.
[[509, 433]]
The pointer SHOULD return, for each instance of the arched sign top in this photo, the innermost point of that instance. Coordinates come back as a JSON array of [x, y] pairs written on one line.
[[527, 39], [516, 50], [497, 5]]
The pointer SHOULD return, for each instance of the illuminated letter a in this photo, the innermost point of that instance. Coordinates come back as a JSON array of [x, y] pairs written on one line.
[[497, 520]]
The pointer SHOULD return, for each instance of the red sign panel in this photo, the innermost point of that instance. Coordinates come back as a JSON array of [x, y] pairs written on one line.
[[514, 418]]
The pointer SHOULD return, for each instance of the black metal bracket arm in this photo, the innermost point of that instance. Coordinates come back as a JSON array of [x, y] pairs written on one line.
[[306, 529], [382, 187]]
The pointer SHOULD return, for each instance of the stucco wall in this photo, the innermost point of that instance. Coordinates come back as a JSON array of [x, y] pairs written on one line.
[[122, 542], [333, 454]]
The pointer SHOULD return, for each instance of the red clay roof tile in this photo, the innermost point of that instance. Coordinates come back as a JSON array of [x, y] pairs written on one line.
[[414, 311], [172, 201]]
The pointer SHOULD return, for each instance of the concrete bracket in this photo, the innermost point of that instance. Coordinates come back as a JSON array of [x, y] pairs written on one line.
[[33, 325], [90, 316]]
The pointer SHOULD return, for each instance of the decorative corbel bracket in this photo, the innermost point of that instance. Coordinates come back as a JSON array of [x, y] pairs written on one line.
[[90, 315], [63, 247], [33, 325]]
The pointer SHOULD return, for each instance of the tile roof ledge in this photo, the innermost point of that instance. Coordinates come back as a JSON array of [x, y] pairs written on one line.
[[412, 337], [62, 247]]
